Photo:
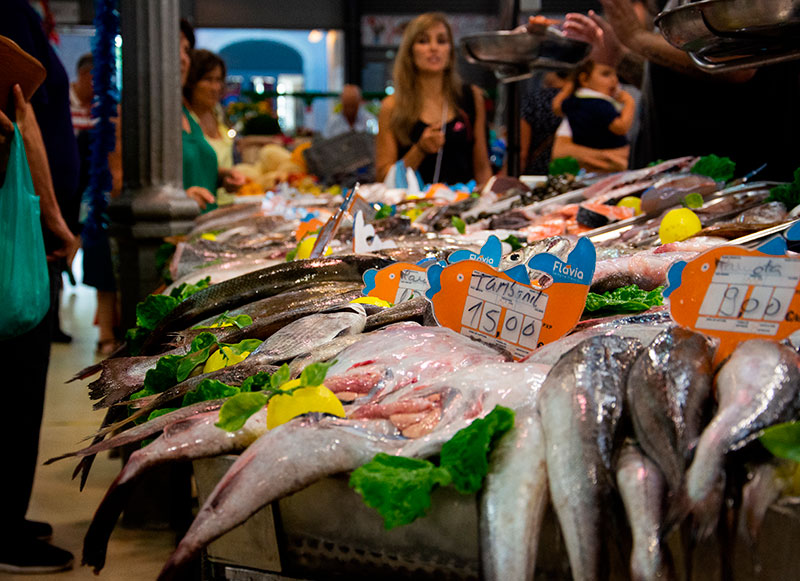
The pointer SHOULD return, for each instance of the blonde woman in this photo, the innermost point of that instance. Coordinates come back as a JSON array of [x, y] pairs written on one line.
[[432, 114]]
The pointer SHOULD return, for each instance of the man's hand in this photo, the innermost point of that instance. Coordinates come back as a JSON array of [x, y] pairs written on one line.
[[69, 246], [200, 195], [594, 29], [625, 22]]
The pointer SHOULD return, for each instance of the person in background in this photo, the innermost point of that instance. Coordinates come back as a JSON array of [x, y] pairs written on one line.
[[431, 110], [81, 95], [203, 93], [201, 173], [598, 111], [539, 122], [353, 116], [749, 115]]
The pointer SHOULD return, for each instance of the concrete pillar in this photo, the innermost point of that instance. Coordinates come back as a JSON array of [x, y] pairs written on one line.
[[153, 204]]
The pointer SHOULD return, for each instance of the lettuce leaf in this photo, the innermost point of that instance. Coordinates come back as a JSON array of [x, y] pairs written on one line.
[[209, 389], [717, 168], [400, 488], [235, 412], [783, 440], [627, 299], [564, 165], [788, 194]]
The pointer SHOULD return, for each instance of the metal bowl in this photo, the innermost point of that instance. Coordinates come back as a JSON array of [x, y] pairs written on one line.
[[723, 35], [514, 55]]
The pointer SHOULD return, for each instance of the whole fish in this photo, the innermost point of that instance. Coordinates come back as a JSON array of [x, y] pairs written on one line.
[[145, 430], [322, 353], [301, 451], [580, 405], [261, 284], [643, 488], [669, 387], [285, 459], [123, 376], [757, 387], [514, 500], [294, 339], [187, 439]]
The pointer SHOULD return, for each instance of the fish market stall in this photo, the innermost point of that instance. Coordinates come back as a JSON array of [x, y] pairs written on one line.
[[440, 385]]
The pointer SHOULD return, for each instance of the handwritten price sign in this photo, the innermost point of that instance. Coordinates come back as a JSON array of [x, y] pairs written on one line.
[[477, 300], [396, 283], [736, 294]]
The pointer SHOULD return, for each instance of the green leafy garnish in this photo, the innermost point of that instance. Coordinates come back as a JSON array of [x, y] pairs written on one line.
[[163, 256], [458, 224], [693, 200], [157, 413], [154, 308], [198, 354], [564, 165], [513, 241], [465, 454], [225, 320], [209, 389], [291, 254], [788, 194], [235, 412], [385, 211], [628, 299], [656, 162], [400, 488], [717, 168], [783, 440]]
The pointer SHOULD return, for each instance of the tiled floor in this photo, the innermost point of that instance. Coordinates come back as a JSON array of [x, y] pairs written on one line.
[[68, 418]]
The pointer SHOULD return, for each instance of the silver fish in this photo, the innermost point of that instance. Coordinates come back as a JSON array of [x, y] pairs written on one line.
[[669, 386], [642, 488], [188, 439], [514, 500], [580, 405], [757, 387]]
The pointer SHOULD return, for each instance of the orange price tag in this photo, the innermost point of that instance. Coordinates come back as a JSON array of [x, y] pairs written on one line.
[[397, 282], [735, 294], [477, 300], [306, 228]]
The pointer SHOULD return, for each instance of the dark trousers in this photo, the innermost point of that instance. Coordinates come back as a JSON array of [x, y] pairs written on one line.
[[24, 361]]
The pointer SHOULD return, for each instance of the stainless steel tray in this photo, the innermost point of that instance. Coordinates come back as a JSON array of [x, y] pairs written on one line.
[[725, 35], [514, 55]]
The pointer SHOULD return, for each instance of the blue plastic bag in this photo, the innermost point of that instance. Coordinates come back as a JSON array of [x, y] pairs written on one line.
[[24, 280]]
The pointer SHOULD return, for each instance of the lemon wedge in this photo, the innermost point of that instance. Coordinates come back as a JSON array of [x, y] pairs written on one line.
[[631, 202], [223, 357], [312, 398], [372, 301], [307, 245]]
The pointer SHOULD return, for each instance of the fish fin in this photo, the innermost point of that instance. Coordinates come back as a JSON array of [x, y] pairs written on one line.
[[57, 458], [679, 507], [86, 372]]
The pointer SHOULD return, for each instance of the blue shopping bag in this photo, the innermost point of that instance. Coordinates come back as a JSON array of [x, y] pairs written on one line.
[[24, 280]]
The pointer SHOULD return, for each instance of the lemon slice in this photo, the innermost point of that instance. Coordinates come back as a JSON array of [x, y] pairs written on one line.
[[306, 246], [312, 398], [631, 202], [372, 301], [678, 224], [209, 236], [223, 357]]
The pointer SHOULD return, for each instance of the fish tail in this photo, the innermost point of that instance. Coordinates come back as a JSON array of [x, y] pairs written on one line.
[[95, 543], [678, 509], [86, 372]]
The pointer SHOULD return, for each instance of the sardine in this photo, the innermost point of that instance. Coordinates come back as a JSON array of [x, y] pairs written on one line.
[[669, 387], [580, 405], [261, 284], [757, 387], [643, 489], [188, 439]]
